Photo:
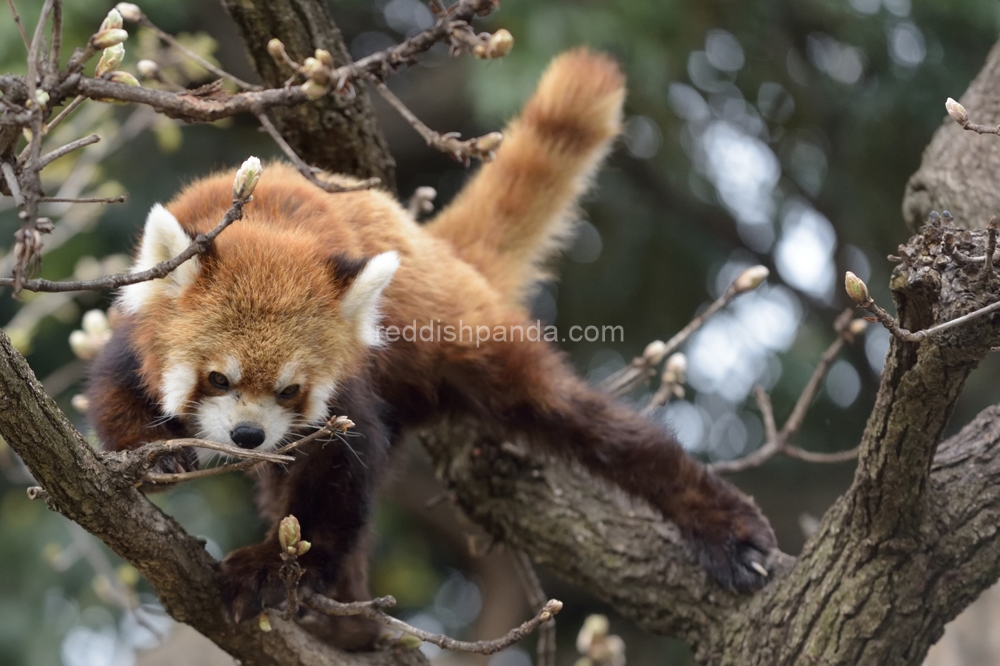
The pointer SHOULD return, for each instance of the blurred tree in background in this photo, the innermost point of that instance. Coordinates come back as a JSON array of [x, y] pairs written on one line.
[[773, 132]]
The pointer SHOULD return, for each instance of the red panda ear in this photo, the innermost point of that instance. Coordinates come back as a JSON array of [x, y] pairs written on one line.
[[163, 238], [366, 280]]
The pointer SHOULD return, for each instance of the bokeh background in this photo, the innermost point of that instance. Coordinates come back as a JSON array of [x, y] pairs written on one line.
[[778, 132]]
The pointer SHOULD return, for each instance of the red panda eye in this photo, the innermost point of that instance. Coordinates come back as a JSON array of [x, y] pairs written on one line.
[[218, 380], [289, 391]]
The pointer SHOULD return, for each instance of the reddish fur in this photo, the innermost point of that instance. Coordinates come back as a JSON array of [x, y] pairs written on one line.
[[273, 283]]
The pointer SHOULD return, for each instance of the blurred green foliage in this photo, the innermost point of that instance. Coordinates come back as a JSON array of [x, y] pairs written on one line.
[[841, 96]]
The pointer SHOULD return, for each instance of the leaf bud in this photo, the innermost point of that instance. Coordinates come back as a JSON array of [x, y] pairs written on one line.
[[244, 184], [654, 351], [129, 11], [324, 57], [275, 48], [125, 78], [111, 60], [148, 69], [957, 112], [313, 90], [105, 39], [112, 21], [315, 70], [289, 534], [856, 289], [750, 279]]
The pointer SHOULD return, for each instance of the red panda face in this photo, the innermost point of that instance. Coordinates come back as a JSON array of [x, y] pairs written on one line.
[[248, 342]]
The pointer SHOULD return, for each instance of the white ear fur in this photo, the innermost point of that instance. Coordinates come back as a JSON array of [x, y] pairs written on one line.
[[162, 239], [361, 302]]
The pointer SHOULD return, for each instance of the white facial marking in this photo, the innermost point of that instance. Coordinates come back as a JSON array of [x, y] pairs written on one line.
[[232, 369], [361, 302], [287, 376], [176, 385], [218, 415], [162, 239], [318, 399]]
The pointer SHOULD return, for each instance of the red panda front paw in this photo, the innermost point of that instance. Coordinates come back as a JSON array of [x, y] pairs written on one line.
[[249, 581], [177, 462], [733, 542]]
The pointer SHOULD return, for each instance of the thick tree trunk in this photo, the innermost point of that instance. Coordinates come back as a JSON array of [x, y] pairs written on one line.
[[959, 167]]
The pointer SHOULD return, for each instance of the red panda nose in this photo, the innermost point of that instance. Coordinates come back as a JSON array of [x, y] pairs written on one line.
[[247, 435]]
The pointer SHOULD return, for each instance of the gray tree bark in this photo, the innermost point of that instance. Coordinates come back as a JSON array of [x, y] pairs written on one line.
[[333, 133], [959, 167]]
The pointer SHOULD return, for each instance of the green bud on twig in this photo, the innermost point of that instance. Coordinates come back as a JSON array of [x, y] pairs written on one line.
[[129, 11], [105, 39], [289, 534], [245, 182], [856, 289], [957, 112], [111, 60], [112, 20]]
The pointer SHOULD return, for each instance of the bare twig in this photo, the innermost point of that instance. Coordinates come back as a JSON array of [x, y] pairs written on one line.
[[536, 598], [192, 108], [20, 26], [336, 424], [779, 441], [308, 171], [169, 39], [373, 610], [895, 329], [121, 198], [156, 450], [641, 368], [48, 158], [482, 147], [68, 109], [56, 37], [200, 245], [11, 178]]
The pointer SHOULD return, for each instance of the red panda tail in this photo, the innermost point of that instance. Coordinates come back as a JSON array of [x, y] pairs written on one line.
[[517, 211]]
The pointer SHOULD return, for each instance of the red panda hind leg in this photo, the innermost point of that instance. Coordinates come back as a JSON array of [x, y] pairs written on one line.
[[527, 388]]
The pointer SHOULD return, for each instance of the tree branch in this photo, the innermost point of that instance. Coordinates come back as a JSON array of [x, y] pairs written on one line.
[[88, 489]]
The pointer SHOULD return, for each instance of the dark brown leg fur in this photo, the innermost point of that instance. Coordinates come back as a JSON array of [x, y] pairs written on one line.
[[526, 387], [330, 488]]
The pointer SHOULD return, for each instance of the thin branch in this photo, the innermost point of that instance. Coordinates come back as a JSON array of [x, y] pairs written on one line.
[[48, 158], [373, 610], [641, 368], [191, 108], [779, 441], [795, 419], [11, 178], [335, 425], [168, 38], [895, 329], [121, 198], [200, 245], [20, 26], [68, 109], [482, 148], [308, 171], [56, 36], [156, 450], [536, 597], [817, 457]]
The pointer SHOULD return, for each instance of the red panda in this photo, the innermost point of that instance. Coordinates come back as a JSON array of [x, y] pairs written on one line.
[[277, 326]]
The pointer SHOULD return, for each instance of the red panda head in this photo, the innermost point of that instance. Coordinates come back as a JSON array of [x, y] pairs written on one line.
[[248, 342]]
